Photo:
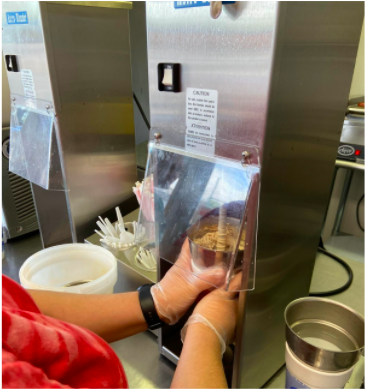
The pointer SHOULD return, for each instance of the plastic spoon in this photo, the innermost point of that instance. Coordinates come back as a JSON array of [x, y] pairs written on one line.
[[151, 259], [120, 218], [104, 229], [102, 221], [111, 229], [99, 233]]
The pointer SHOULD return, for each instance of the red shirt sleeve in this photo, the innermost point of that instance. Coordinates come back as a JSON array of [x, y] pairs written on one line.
[[19, 374], [39, 351]]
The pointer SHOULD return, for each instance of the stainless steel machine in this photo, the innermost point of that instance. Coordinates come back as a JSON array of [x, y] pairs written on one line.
[[72, 130], [264, 87]]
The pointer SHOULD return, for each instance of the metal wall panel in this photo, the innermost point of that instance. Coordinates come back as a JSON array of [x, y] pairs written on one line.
[[232, 54], [90, 49]]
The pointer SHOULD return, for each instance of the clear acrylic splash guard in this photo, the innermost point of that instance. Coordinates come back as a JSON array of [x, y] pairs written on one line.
[[202, 206], [34, 151]]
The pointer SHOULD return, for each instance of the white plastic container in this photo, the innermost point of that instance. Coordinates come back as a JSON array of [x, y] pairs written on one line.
[[301, 375], [57, 266]]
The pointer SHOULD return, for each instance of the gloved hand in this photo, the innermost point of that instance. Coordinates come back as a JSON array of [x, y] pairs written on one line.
[[218, 311], [174, 294]]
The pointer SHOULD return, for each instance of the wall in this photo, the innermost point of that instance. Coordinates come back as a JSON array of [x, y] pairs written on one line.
[[357, 86]]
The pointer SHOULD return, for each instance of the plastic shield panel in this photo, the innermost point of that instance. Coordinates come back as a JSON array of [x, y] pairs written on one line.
[[209, 203], [33, 148]]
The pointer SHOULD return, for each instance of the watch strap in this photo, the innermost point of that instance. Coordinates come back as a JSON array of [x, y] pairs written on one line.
[[148, 307]]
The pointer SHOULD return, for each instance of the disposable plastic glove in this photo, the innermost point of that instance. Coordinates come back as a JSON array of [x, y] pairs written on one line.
[[175, 293], [218, 312]]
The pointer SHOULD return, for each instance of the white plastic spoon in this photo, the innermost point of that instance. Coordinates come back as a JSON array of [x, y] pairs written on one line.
[[110, 228], [104, 229], [99, 233]]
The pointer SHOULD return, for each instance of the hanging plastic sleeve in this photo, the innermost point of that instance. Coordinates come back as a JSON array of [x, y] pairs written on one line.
[[34, 153]]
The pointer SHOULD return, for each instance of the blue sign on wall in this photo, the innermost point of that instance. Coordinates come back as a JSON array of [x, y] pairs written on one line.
[[19, 17], [190, 4]]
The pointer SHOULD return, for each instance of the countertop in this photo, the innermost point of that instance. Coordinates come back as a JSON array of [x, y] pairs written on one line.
[[144, 366]]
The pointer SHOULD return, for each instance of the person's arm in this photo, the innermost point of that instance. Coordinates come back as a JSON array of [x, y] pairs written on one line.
[[200, 364], [205, 335], [117, 316], [111, 316]]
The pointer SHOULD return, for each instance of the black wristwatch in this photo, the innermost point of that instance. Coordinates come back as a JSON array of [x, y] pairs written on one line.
[[148, 307]]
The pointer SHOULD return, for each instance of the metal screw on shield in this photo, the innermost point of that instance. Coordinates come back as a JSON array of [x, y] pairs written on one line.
[[245, 157], [157, 137]]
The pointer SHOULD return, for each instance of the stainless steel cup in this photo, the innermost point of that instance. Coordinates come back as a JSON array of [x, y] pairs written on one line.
[[203, 257], [324, 333]]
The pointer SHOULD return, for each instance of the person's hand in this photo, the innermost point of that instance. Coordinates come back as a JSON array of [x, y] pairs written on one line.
[[174, 294], [218, 311]]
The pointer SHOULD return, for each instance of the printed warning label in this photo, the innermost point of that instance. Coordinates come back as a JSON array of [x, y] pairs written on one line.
[[201, 112], [28, 83], [199, 145]]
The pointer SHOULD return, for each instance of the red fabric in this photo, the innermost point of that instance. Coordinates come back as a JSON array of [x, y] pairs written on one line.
[[41, 352]]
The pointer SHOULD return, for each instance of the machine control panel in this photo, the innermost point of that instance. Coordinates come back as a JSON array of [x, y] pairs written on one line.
[[351, 147], [350, 152]]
